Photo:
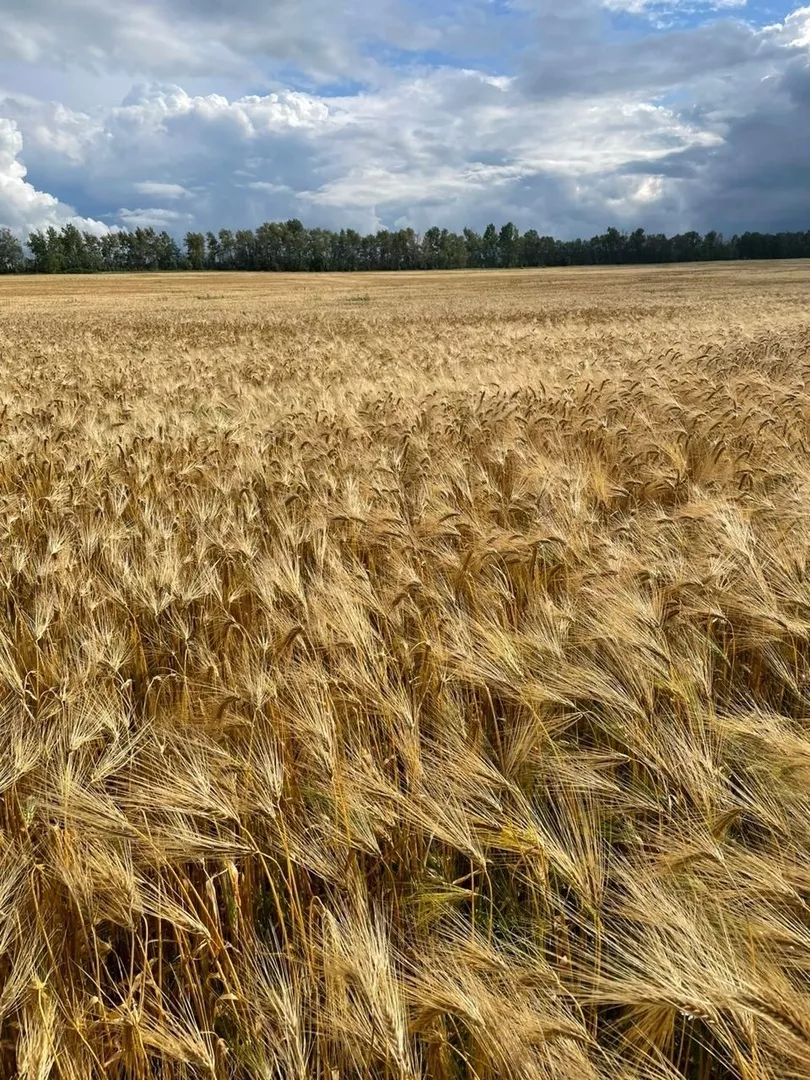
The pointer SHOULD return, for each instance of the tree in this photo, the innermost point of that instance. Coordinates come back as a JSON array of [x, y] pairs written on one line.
[[244, 254], [352, 242], [169, 256], [636, 246], [658, 248], [609, 248], [453, 251], [431, 244], [227, 249], [71, 245], [111, 251], [270, 246], [290, 246], [509, 246], [12, 259], [474, 246], [195, 250], [531, 253], [490, 249], [404, 250], [212, 251], [93, 259], [294, 239], [47, 251], [688, 247], [319, 253]]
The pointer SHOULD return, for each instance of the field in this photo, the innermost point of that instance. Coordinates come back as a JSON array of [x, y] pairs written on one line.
[[406, 676]]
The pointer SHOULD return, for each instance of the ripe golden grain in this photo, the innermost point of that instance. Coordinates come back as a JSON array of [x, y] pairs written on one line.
[[408, 689]]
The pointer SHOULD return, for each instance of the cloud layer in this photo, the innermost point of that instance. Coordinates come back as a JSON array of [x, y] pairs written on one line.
[[631, 112]]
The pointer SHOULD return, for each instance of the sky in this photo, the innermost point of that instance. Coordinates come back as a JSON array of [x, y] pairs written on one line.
[[562, 115]]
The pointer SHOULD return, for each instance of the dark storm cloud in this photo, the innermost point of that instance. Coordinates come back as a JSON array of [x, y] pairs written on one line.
[[759, 178]]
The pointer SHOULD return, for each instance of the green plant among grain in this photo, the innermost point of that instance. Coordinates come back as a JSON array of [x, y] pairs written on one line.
[[412, 691]]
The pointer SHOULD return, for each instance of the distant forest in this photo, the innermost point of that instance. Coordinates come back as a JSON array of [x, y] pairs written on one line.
[[289, 246]]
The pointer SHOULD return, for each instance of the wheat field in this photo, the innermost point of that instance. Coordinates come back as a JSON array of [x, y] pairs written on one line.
[[406, 676]]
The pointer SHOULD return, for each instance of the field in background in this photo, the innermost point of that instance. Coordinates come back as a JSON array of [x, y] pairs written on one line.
[[406, 675]]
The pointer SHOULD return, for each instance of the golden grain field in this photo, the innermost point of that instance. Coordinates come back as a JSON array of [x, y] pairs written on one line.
[[406, 676]]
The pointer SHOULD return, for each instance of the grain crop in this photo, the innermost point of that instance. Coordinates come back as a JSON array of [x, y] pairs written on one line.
[[406, 676]]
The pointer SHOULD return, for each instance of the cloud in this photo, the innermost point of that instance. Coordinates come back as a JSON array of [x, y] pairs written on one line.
[[693, 125], [161, 191], [670, 8], [656, 62], [224, 159], [179, 37], [154, 217], [758, 175], [428, 148], [22, 207]]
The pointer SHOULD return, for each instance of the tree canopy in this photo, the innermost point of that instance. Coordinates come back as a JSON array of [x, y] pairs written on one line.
[[290, 246]]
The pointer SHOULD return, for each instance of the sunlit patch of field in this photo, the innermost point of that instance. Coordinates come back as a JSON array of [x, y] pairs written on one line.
[[406, 675]]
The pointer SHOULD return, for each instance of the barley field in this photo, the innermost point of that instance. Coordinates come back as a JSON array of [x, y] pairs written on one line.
[[406, 676]]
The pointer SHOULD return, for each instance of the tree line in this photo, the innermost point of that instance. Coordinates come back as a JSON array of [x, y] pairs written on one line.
[[289, 246]]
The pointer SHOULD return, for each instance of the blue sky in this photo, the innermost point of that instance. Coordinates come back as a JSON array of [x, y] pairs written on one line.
[[563, 116]]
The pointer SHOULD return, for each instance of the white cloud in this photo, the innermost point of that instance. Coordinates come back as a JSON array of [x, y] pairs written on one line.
[[797, 28], [161, 191], [661, 8], [154, 217], [22, 207]]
